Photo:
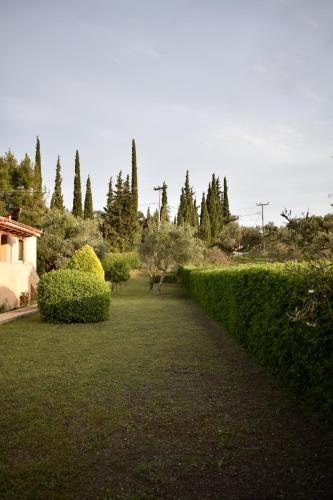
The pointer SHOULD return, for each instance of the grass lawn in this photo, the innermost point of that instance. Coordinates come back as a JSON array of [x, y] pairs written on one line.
[[155, 403]]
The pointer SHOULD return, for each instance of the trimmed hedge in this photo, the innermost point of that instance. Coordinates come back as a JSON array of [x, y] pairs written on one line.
[[254, 303], [86, 260], [70, 296]]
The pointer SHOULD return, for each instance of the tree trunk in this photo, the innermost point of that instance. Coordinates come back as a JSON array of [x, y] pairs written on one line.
[[161, 282]]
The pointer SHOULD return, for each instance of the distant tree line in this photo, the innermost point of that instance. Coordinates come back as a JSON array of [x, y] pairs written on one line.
[[121, 226]]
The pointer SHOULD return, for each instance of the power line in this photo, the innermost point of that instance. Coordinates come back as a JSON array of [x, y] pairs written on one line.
[[248, 215]]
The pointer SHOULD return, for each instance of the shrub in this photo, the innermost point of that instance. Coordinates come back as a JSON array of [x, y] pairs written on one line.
[[62, 235], [70, 296], [215, 255], [117, 273], [86, 260], [130, 258], [258, 305]]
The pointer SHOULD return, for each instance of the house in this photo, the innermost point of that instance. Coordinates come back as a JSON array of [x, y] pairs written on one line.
[[18, 256]]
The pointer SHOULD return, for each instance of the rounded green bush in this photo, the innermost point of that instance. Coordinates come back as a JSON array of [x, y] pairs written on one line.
[[86, 260], [70, 296]]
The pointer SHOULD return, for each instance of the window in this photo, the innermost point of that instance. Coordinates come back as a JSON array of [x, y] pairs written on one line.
[[20, 249], [3, 248]]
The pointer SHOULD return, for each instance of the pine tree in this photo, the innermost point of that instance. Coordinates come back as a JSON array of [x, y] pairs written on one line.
[[164, 207], [77, 196], [57, 200], [226, 210], [88, 203], [204, 229], [38, 171]]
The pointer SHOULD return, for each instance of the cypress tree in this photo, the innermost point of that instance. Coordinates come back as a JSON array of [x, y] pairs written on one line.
[[181, 209], [88, 203], [108, 225], [195, 217], [147, 223], [186, 210], [188, 213], [164, 207], [148, 216], [212, 206], [109, 198], [135, 231], [226, 210], [134, 181], [204, 229], [77, 196], [38, 170], [57, 200], [128, 225]]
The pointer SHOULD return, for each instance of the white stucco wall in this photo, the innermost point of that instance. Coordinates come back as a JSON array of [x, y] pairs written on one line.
[[17, 276], [29, 250]]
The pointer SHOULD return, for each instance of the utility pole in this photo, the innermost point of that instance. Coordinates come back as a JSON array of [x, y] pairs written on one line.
[[330, 196], [262, 205], [159, 189]]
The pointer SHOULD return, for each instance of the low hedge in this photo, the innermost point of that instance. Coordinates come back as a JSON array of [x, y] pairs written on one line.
[[255, 304], [70, 296], [131, 259]]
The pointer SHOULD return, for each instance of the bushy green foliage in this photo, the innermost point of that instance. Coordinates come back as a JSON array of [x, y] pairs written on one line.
[[70, 296], [130, 258], [85, 259], [164, 249], [258, 305], [118, 273], [63, 233], [17, 190]]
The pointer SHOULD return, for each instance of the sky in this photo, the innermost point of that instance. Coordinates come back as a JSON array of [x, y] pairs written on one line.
[[236, 87]]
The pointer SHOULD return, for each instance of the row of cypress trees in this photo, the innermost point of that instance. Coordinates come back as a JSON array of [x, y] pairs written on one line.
[[57, 200], [120, 227], [214, 210]]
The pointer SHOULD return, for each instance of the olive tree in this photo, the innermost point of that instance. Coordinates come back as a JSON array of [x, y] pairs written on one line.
[[164, 249], [62, 235]]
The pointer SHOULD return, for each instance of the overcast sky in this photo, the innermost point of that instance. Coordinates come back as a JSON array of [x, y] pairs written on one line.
[[242, 88]]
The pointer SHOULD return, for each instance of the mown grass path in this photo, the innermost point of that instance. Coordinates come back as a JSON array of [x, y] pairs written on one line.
[[155, 403]]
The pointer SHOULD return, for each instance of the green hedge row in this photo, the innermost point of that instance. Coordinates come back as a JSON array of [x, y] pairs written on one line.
[[70, 296], [255, 303]]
